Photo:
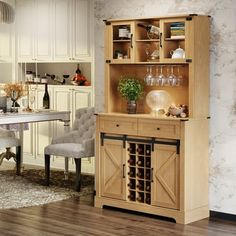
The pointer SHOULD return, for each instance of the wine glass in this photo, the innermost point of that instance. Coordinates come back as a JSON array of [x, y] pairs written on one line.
[[152, 81], [161, 78], [147, 51], [172, 77], [156, 77], [166, 80], [31, 98], [148, 77], [179, 79], [14, 96]]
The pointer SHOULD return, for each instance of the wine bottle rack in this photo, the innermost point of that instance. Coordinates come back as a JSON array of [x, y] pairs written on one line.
[[139, 172]]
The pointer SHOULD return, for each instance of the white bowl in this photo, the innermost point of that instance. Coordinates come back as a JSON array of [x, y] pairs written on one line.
[[158, 100]]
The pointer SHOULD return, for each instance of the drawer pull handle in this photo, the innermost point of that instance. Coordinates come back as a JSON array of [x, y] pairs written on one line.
[[117, 125], [158, 128]]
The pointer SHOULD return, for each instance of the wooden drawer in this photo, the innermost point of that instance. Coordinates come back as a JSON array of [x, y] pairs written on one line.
[[159, 128], [119, 125]]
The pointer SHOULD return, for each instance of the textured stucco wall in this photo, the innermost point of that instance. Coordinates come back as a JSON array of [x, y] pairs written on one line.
[[222, 80]]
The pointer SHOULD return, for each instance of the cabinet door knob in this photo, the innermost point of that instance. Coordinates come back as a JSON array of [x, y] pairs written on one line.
[[158, 128], [160, 40], [117, 125], [123, 171], [151, 174]]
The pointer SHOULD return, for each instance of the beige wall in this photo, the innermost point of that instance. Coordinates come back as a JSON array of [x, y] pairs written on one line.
[[222, 78]]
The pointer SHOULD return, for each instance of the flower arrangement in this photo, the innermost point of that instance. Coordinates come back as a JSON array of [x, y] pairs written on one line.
[[16, 88]]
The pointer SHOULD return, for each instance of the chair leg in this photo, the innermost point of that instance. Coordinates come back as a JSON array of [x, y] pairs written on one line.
[[47, 169], [18, 160], [78, 174]]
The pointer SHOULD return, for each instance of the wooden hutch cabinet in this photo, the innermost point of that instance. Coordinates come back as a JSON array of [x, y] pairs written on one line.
[[150, 163]]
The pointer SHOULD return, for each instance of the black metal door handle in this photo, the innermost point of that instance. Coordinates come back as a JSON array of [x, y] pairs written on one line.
[[160, 40]]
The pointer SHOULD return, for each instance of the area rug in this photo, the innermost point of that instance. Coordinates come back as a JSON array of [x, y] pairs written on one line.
[[29, 190]]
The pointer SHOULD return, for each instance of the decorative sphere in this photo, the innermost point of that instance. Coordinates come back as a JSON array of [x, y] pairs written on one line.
[[158, 100]]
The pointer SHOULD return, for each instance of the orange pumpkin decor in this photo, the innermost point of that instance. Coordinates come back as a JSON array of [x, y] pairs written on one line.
[[80, 79]]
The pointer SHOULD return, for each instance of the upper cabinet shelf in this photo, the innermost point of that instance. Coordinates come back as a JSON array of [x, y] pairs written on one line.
[[151, 40], [158, 51], [53, 31]]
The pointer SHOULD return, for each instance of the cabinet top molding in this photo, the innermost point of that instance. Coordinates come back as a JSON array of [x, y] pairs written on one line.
[[106, 21]]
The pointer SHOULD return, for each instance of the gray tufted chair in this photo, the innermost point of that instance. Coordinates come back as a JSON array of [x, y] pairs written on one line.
[[8, 140], [77, 143]]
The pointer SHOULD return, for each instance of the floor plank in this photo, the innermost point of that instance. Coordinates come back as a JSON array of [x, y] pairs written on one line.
[[77, 216]]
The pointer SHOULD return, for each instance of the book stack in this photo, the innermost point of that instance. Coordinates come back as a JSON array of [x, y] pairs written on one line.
[[177, 30]]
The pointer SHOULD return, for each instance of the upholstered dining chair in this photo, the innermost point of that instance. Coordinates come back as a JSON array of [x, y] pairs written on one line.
[[8, 140], [77, 144]]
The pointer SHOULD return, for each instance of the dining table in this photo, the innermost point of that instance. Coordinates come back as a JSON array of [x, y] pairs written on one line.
[[19, 119]]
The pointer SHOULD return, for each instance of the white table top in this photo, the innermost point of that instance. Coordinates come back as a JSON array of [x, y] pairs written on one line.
[[38, 116]]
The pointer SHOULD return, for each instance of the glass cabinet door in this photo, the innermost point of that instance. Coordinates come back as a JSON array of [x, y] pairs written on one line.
[[147, 41], [173, 40], [122, 46]]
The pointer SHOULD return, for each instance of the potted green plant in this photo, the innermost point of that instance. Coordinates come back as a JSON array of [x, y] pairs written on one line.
[[131, 89]]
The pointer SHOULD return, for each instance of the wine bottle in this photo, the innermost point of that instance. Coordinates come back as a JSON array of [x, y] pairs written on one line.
[[139, 163], [46, 99], [148, 187], [139, 151], [148, 175], [130, 184], [130, 150], [140, 186], [140, 198], [148, 200], [150, 28], [131, 173], [148, 150], [140, 174], [131, 161], [148, 163], [78, 71], [131, 196]]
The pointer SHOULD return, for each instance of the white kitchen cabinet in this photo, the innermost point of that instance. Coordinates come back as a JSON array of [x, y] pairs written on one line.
[[34, 30], [39, 135], [43, 30], [6, 43], [81, 29], [72, 30], [53, 30], [62, 11], [25, 23]]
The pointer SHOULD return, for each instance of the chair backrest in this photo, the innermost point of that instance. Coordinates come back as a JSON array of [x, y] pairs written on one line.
[[85, 123]]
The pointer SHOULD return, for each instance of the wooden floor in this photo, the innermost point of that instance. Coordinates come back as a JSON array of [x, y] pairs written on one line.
[[79, 217]]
